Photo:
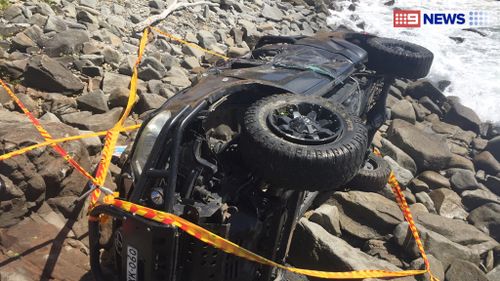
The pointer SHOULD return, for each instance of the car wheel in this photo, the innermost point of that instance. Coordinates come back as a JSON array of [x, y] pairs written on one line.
[[398, 58], [302, 142], [373, 176]]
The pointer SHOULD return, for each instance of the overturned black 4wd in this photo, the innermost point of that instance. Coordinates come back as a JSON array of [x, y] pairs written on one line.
[[245, 150]]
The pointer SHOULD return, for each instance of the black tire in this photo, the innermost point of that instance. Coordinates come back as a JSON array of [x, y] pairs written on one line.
[[398, 58], [290, 164], [373, 176]]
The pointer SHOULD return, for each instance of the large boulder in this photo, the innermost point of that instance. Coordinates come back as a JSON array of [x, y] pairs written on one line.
[[49, 75], [487, 162], [429, 151], [403, 109], [486, 218], [462, 116], [366, 215], [403, 159], [493, 147], [448, 204], [463, 180], [330, 253], [475, 198], [328, 217], [435, 244], [463, 270]]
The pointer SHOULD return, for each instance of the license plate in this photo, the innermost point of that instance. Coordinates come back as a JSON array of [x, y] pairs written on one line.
[[132, 263]]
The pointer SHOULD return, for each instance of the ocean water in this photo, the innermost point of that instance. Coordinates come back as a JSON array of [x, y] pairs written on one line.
[[473, 66]]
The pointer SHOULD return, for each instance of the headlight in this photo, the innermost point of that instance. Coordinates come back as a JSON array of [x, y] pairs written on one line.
[[146, 141]]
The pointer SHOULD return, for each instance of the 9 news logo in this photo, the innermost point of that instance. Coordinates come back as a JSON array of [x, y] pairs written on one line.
[[415, 18]]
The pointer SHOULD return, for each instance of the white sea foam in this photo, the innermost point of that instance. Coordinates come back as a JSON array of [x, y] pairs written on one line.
[[473, 66]]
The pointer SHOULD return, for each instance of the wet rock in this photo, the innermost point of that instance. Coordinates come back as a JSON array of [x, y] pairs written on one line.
[[403, 110], [328, 217], [47, 74], [463, 180], [402, 175], [475, 198], [486, 219], [328, 252], [366, 215], [464, 270], [487, 162], [434, 180], [448, 204], [463, 117], [428, 150], [436, 244], [95, 102]]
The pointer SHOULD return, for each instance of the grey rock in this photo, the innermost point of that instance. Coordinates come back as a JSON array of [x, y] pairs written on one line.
[[206, 39], [486, 219], [89, 3], [111, 55], [479, 143], [76, 118], [149, 73], [328, 217], [12, 12], [190, 62], [426, 200], [93, 144], [416, 185], [55, 23], [92, 71], [112, 81], [487, 162], [21, 42], [463, 180], [50, 117], [403, 110], [148, 102], [101, 122], [461, 162], [272, 13], [330, 253], [127, 65], [193, 51], [366, 215], [424, 87], [95, 102], [475, 198], [403, 159], [156, 4], [463, 117], [437, 268], [154, 64], [85, 17], [235, 52], [118, 97], [493, 146], [434, 180], [494, 274], [47, 74], [66, 43], [493, 184], [428, 150], [448, 204], [380, 249], [463, 270], [430, 105], [436, 244], [402, 175]]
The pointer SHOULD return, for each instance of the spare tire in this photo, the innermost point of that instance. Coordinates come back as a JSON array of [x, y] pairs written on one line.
[[373, 176], [302, 142], [398, 58]]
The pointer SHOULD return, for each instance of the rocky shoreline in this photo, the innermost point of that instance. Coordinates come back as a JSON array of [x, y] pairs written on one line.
[[70, 63]]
